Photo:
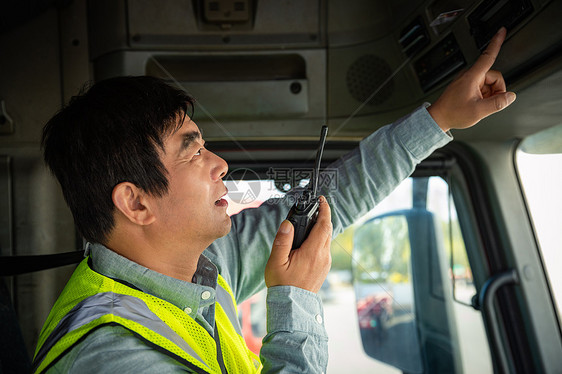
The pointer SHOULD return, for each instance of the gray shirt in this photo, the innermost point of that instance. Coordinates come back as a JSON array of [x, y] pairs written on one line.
[[296, 340]]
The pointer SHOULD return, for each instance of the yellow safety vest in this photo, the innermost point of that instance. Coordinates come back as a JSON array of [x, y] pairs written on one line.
[[91, 300]]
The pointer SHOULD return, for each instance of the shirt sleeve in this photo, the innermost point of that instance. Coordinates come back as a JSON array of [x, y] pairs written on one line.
[[358, 181], [365, 176], [296, 340]]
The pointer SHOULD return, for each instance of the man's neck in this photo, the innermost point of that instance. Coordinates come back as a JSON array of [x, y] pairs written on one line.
[[174, 260]]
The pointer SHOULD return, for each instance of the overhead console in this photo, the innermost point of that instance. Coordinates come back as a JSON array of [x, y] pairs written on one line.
[[265, 65], [427, 44], [461, 30], [254, 63], [447, 19]]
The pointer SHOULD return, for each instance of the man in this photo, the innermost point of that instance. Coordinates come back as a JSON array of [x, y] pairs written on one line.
[[166, 265]]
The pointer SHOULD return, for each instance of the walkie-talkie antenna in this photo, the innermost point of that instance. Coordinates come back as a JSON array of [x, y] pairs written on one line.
[[316, 171]]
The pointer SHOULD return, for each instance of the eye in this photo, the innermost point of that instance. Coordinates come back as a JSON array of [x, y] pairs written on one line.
[[198, 153]]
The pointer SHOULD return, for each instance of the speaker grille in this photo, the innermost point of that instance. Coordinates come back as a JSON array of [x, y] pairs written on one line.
[[365, 77]]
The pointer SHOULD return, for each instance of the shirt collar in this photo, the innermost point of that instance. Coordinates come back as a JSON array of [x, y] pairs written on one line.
[[190, 297]]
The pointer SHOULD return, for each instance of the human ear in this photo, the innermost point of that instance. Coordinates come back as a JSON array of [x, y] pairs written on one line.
[[132, 202]]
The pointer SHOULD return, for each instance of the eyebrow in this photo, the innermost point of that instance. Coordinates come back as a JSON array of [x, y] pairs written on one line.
[[188, 139]]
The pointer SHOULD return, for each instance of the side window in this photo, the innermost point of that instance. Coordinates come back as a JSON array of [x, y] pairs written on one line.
[[413, 284], [398, 296]]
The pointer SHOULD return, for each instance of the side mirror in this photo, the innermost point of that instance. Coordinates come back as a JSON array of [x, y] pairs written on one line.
[[401, 282]]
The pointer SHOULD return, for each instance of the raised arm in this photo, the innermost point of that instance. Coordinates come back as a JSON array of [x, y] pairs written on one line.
[[369, 173], [363, 178]]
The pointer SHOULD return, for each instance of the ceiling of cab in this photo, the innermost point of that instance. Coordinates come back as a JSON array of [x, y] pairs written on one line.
[[281, 69]]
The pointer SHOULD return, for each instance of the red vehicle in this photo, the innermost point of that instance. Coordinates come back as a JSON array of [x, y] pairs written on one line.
[[253, 329], [374, 311]]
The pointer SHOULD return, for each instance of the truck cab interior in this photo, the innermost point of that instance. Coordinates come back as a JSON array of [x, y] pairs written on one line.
[[455, 272]]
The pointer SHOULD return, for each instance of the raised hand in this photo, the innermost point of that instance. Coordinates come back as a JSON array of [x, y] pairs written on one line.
[[475, 94], [307, 266]]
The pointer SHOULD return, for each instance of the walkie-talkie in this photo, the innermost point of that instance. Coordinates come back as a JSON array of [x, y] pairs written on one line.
[[305, 211]]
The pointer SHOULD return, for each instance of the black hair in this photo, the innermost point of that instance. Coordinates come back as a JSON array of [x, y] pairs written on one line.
[[108, 134]]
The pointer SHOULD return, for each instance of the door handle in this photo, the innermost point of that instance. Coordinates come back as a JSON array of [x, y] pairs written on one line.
[[485, 302]]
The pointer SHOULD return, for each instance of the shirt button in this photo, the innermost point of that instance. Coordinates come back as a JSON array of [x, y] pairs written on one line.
[[205, 295], [188, 310], [319, 318]]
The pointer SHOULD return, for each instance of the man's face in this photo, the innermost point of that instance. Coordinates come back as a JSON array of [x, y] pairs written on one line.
[[193, 211]]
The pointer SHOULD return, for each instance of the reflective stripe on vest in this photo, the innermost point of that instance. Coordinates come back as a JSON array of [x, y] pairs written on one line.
[[104, 301], [226, 301], [124, 306]]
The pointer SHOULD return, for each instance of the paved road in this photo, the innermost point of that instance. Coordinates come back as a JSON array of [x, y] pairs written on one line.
[[346, 351]]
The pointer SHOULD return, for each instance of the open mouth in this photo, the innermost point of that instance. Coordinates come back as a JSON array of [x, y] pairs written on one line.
[[222, 202]]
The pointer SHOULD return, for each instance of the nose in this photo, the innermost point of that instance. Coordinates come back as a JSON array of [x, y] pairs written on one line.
[[220, 168]]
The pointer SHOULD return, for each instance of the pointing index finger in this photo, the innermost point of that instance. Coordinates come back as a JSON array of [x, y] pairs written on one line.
[[488, 57]]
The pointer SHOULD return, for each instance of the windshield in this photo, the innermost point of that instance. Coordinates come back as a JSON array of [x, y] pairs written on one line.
[[539, 163]]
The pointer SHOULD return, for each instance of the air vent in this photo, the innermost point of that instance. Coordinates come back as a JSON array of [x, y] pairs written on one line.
[[486, 20], [439, 63], [414, 37]]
